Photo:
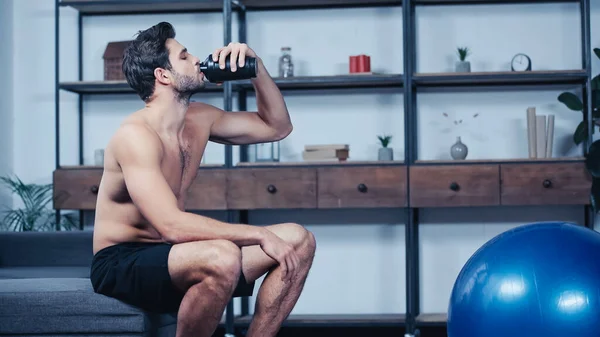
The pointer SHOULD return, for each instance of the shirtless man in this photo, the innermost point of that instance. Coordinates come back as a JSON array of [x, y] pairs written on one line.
[[148, 251]]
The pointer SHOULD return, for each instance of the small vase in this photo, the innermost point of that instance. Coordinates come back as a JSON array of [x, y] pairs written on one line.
[[459, 150], [386, 153], [463, 67]]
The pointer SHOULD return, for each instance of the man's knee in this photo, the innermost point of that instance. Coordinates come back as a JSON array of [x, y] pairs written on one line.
[[301, 238], [227, 262], [217, 262]]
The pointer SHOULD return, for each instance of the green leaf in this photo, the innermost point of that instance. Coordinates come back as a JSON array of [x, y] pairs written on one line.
[[580, 133], [596, 82], [571, 101], [592, 159], [595, 194], [597, 52]]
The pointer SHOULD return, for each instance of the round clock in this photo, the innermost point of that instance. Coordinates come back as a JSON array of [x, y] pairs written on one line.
[[520, 62]]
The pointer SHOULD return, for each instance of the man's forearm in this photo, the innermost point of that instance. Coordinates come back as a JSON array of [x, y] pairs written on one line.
[[186, 227], [269, 101]]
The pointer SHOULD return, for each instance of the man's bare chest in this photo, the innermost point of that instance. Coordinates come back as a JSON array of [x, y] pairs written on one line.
[[181, 163]]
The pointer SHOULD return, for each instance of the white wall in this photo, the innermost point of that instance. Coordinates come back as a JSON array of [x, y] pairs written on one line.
[[360, 265], [6, 103]]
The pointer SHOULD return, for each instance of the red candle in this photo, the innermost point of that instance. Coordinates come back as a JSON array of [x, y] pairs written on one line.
[[353, 64]]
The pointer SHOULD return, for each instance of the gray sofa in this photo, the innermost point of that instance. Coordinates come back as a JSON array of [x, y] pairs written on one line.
[[45, 290]]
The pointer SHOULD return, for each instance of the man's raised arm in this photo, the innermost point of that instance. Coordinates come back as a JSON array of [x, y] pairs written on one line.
[[270, 123], [139, 152]]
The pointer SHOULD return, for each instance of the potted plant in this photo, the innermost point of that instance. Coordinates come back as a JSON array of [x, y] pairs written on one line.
[[462, 65], [385, 152], [35, 214], [592, 158]]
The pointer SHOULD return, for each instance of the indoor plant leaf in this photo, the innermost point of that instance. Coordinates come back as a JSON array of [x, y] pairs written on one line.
[[592, 159], [580, 133], [14, 220], [595, 195], [597, 52], [596, 82], [571, 101]]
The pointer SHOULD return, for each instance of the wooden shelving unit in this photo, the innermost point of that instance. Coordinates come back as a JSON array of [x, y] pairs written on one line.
[[305, 83], [408, 183], [507, 78]]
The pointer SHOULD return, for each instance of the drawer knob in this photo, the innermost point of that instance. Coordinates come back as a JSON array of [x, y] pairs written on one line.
[[362, 188], [271, 189], [94, 189], [547, 183], [454, 186]]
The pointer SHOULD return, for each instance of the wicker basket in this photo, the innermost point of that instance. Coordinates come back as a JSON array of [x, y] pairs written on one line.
[[113, 61]]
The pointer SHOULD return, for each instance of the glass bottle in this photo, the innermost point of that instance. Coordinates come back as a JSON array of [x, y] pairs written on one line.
[[286, 66], [266, 152]]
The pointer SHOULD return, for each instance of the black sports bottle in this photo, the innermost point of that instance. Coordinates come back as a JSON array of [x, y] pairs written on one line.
[[214, 74]]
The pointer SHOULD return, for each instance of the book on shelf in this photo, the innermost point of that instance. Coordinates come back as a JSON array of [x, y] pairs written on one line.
[[340, 152], [540, 134]]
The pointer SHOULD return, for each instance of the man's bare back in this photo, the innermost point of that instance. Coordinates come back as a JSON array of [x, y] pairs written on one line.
[[117, 219]]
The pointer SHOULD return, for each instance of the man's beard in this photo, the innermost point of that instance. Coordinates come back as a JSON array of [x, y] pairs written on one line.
[[186, 86]]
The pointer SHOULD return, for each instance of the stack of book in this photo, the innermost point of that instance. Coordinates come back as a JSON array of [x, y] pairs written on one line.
[[540, 134], [326, 152]]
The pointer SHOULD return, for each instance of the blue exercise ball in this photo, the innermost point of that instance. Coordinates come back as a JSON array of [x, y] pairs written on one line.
[[540, 279]]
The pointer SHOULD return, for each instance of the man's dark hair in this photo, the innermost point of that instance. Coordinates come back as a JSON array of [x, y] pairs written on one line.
[[144, 54]]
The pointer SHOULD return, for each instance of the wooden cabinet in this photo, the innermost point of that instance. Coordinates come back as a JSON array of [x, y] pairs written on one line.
[[454, 186], [76, 188], [545, 184], [260, 188], [362, 187], [339, 186], [208, 191]]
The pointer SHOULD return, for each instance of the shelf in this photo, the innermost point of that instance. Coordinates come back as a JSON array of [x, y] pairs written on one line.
[[106, 7], [487, 2], [304, 82], [321, 163], [432, 319], [112, 87], [99, 168], [103, 7], [500, 78], [354, 320], [314, 4], [349, 81], [499, 161]]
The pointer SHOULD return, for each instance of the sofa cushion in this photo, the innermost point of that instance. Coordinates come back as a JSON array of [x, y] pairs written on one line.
[[45, 272], [68, 305], [69, 248]]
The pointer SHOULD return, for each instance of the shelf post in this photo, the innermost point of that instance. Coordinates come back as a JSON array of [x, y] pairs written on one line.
[[410, 139], [56, 97], [242, 96], [227, 106], [586, 55], [80, 101]]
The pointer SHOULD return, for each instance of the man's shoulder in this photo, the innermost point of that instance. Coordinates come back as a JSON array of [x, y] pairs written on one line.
[[130, 133], [199, 112], [134, 137]]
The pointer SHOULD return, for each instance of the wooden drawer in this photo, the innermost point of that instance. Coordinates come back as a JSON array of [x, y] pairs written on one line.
[[347, 187], [543, 184], [76, 188], [263, 188], [454, 186], [208, 190]]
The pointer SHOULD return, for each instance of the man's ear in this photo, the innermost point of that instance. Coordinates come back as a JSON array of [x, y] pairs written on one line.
[[162, 75]]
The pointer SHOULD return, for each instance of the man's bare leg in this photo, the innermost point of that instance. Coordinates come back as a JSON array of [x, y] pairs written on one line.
[[277, 298], [208, 273]]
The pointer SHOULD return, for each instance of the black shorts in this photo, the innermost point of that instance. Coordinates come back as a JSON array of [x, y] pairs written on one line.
[[137, 274]]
